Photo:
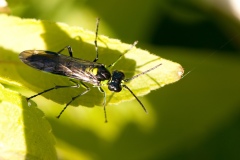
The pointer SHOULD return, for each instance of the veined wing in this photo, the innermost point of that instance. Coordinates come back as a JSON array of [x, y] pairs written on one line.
[[60, 64]]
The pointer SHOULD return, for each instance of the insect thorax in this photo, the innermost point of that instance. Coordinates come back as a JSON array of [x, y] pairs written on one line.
[[97, 75], [102, 73]]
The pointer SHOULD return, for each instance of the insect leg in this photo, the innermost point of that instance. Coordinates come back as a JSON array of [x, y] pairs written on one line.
[[76, 85], [95, 41], [104, 103], [73, 98], [69, 50], [120, 57]]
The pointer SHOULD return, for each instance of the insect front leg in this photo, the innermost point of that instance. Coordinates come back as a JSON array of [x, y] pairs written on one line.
[[73, 98], [120, 57], [76, 85], [104, 103], [69, 50]]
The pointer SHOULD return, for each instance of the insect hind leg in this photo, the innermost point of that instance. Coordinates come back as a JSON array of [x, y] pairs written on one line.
[[76, 85], [73, 98], [69, 50]]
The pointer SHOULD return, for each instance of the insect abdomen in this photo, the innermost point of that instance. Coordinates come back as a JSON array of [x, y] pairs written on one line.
[[42, 60]]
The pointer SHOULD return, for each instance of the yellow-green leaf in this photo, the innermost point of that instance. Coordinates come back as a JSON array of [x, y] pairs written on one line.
[[24, 133], [18, 35]]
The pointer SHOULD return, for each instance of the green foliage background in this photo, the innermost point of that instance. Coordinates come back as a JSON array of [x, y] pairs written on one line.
[[195, 118]]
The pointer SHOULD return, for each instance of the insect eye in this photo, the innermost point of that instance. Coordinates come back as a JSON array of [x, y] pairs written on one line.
[[114, 87], [115, 83]]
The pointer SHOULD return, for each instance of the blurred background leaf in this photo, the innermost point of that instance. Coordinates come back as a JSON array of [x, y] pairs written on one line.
[[196, 118], [24, 133]]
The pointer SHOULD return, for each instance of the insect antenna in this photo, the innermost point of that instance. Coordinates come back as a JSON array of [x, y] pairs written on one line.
[[145, 72], [129, 79], [135, 97]]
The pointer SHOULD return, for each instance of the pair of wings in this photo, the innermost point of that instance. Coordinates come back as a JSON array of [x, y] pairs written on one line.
[[60, 64]]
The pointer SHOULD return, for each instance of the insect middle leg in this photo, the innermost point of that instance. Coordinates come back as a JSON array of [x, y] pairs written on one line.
[[95, 41], [104, 103]]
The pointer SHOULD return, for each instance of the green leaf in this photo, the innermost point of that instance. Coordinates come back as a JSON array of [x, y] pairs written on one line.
[[18, 35], [24, 133]]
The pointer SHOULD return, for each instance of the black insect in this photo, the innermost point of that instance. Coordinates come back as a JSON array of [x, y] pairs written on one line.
[[91, 72]]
